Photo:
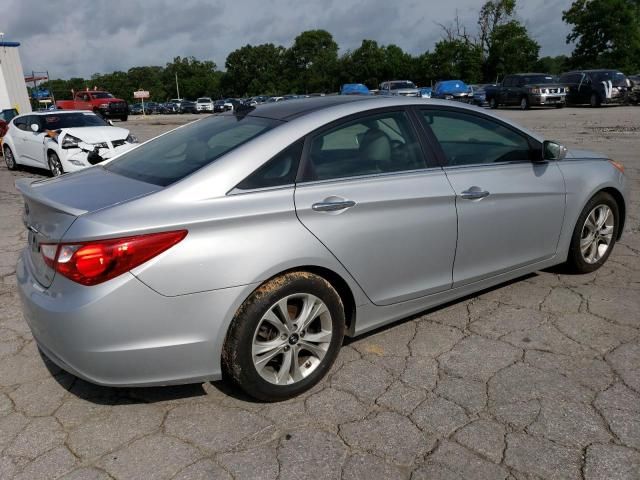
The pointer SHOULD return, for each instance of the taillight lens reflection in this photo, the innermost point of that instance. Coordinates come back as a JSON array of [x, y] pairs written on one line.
[[95, 262]]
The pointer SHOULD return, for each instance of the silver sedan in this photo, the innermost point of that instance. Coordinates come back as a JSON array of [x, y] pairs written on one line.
[[251, 243]]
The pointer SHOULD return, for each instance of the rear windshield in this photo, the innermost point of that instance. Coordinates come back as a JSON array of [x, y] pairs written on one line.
[[173, 156], [71, 120]]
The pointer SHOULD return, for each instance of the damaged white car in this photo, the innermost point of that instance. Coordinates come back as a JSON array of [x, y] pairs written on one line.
[[63, 141]]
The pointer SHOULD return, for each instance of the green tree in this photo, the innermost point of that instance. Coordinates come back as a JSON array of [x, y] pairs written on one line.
[[456, 59], [312, 62], [255, 70], [606, 33], [511, 50], [365, 64], [552, 65], [493, 14]]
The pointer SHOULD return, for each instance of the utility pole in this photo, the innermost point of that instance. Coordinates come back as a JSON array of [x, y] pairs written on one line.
[[177, 87]]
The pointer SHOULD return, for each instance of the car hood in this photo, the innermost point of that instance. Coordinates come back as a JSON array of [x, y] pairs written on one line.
[[97, 134], [586, 154]]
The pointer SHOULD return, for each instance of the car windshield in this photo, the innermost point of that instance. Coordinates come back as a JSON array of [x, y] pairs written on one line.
[[102, 95], [533, 79], [173, 156], [616, 78], [204, 100], [71, 120], [399, 85], [219, 102]]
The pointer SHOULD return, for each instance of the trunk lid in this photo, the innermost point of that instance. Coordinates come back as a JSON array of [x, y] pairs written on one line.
[[52, 205]]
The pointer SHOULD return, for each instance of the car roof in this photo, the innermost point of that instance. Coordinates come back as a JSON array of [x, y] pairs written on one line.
[[291, 109]]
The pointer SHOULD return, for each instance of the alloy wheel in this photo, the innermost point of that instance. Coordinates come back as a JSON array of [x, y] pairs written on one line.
[[597, 233], [292, 339], [8, 158], [55, 166]]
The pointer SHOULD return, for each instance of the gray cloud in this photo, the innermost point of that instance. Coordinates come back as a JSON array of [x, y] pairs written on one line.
[[71, 38]]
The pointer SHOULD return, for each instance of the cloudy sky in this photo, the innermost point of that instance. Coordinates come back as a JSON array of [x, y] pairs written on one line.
[[78, 38]]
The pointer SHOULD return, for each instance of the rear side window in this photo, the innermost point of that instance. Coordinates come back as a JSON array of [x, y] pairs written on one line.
[[470, 139], [173, 156], [22, 123], [279, 171]]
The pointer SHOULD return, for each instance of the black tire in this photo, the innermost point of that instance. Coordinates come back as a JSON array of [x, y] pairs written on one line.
[[124, 118], [9, 158], [576, 262], [595, 101], [55, 166], [237, 356], [524, 103], [493, 103]]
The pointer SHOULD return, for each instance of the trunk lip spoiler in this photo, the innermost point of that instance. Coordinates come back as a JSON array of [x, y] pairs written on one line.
[[28, 190]]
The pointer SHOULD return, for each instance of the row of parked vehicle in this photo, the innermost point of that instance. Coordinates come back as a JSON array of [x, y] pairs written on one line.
[[580, 87]]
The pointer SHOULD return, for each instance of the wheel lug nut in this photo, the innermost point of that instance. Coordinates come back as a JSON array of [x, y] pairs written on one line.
[[286, 348], [303, 333], [295, 325]]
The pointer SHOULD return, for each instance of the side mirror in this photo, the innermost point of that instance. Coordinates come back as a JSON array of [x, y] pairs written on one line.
[[553, 150], [35, 127]]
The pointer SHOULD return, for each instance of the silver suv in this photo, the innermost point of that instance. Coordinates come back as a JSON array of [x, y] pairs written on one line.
[[405, 88]]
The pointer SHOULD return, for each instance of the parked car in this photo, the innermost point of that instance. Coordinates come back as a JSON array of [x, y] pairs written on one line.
[[275, 99], [187, 106], [177, 101], [63, 141], [452, 90], [345, 198], [219, 106], [354, 89], [169, 108], [96, 101], [634, 94], [135, 109], [204, 105], [426, 92], [480, 94], [405, 88], [526, 90], [595, 87]]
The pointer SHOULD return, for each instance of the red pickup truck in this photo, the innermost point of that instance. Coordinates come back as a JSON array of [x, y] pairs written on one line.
[[97, 101]]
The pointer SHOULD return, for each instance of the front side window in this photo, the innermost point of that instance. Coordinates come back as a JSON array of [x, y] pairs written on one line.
[[173, 156], [369, 145], [57, 121], [469, 139]]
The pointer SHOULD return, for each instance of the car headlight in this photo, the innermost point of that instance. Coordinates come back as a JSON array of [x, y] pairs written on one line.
[[71, 142], [535, 90], [77, 163], [131, 139], [103, 105]]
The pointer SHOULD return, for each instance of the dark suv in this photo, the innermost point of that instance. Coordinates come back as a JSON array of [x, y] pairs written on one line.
[[596, 87], [526, 90]]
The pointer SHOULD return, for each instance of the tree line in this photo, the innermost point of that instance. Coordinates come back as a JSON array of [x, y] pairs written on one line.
[[606, 34]]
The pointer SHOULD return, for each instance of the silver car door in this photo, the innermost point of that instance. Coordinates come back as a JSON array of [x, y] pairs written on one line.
[[367, 194], [510, 204]]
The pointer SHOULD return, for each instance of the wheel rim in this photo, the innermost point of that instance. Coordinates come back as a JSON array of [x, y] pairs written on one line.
[[292, 339], [8, 158], [597, 234], [523, 104], [55, 167]]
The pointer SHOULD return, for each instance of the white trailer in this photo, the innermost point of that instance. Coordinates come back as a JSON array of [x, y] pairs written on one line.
[[13, 90]]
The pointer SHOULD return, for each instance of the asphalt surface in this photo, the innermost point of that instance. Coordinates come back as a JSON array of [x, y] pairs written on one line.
[[538, 378]]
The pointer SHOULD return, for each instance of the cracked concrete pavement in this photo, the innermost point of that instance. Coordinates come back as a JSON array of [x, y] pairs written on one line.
[[537, 378]]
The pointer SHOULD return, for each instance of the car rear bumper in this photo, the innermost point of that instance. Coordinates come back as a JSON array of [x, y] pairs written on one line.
[[123, 333]]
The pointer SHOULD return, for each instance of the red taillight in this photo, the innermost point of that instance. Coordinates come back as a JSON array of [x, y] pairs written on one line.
[[95, 262]]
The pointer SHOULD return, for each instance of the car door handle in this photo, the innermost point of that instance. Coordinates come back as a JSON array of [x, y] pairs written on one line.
[[474, 193], [332, 206]]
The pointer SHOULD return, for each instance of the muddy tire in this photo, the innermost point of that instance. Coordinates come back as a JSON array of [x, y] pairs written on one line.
[[285, 337]]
